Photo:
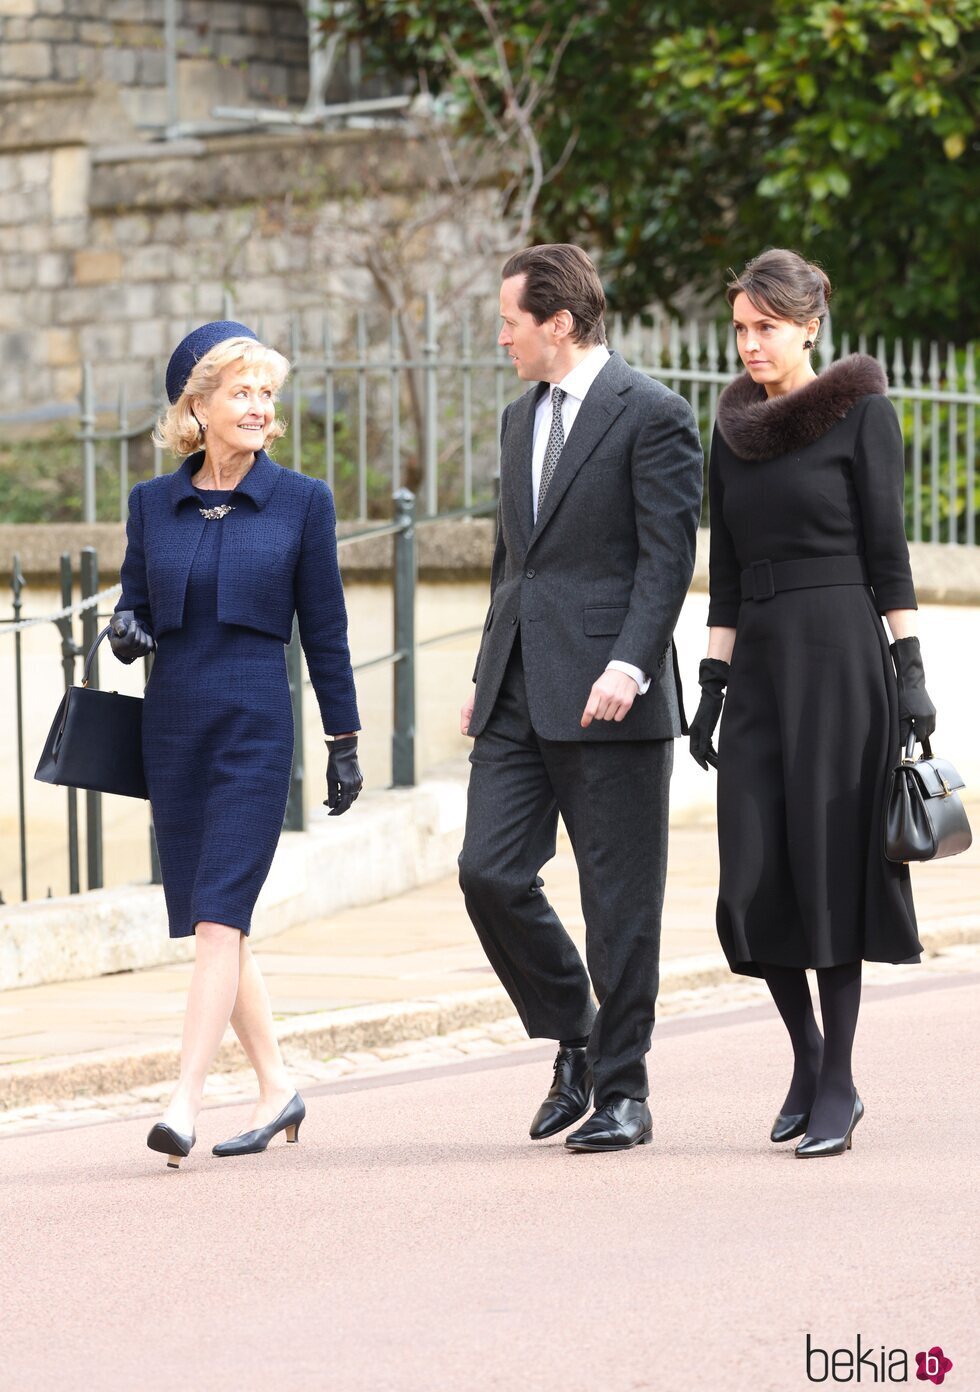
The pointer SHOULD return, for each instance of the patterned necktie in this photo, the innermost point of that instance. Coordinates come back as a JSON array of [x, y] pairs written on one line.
[[556, 443]]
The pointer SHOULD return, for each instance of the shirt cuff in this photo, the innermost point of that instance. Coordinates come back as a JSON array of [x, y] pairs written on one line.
[[641, 678]]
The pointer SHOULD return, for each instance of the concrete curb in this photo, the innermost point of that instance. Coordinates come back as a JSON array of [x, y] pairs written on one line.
[[360, 1028], [325, 1034]]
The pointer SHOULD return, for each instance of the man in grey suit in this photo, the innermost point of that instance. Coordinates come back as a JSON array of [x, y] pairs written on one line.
[[577, 700]]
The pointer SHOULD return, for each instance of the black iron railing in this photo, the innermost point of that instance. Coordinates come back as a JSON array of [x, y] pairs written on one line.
[[93, 607]]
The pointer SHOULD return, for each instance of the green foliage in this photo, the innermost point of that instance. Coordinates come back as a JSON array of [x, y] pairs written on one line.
[[707, 131], [41, 476], [345, 484], [41, 479]]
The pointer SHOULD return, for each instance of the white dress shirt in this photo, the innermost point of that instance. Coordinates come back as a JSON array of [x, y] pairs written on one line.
[[576, 386]]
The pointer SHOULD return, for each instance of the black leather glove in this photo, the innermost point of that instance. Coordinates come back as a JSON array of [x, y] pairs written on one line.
[[713, 676], [127, 637], [344, 777], [915, 710]]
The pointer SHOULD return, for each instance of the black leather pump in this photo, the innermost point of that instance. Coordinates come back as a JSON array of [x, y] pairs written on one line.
[[815, 1147], [171, 1143], [252, 1142], [789, 1125]]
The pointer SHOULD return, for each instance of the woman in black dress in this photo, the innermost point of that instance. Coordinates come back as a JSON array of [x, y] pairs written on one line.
[[219, 557], [808, 550]]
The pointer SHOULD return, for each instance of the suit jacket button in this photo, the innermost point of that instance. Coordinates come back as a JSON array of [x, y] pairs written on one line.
[[529, 574]]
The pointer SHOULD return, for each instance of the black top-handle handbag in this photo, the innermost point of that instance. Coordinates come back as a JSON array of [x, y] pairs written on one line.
[[96, 740], [924, 817]]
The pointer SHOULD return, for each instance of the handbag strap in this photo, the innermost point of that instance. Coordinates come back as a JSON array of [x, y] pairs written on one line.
[[90, 655], [910, 748]]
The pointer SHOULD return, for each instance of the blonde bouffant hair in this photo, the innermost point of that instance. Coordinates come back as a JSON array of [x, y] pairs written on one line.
[[179, 430]]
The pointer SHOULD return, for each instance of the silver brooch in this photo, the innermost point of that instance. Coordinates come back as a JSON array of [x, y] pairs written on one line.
[[215, 514]]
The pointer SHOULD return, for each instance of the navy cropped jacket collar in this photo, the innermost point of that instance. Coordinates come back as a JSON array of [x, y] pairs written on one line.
[[257, 484]]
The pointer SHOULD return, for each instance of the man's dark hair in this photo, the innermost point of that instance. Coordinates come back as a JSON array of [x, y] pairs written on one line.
[[561, 276]]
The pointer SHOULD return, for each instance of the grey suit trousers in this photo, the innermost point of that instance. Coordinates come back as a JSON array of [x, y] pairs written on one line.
[[613, 799]]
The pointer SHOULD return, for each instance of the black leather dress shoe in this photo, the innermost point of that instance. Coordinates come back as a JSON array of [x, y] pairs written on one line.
[[788, 1125], [616, 1125], [252, 1142], [816, 1147], [568, 1098]]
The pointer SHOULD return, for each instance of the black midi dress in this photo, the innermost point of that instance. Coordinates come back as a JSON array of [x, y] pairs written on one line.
[[809, 730]]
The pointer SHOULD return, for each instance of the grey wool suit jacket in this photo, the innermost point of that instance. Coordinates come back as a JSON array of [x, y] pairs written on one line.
[[602, 574]]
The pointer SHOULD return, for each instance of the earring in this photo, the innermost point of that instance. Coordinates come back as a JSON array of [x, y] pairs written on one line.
[[808, 343]]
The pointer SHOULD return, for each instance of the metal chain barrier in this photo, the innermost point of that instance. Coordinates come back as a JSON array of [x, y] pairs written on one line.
[[93, 601]]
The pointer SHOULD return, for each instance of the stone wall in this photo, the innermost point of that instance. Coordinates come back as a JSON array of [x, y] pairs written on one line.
[[113, 240], [229, 53], [111, 255]]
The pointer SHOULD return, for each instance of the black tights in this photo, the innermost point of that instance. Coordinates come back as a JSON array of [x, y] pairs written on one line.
[[822, 1083]]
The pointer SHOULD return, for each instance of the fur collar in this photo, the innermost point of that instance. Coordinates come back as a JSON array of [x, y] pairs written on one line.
[[759, 427]]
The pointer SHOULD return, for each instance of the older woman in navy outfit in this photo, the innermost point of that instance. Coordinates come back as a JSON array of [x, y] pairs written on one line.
[[220, 556]]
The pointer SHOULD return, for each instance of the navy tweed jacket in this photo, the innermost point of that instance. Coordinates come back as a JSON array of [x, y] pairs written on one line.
[[278, 557]]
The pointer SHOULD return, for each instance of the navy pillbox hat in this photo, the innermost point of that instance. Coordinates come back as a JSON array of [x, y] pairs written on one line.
[[195, 346]]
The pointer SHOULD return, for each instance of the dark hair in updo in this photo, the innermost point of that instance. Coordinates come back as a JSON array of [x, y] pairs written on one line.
[[781, 283]]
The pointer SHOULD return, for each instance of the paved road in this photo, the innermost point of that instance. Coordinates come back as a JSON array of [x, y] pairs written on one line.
[[415, 1240]]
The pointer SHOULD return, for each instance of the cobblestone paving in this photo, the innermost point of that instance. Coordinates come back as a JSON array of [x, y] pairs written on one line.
[[507, 1036]]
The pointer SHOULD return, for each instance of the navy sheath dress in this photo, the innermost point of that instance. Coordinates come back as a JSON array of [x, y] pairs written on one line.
[[219, 595], [217, 749]]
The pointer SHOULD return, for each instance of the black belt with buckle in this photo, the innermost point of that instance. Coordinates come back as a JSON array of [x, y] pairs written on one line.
[[763, 579]]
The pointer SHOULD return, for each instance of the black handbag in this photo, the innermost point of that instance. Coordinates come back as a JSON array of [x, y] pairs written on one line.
[[924, 817], [96, 741]]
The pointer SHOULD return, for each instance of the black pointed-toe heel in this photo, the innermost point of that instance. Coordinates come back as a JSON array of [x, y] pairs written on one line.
[[789, 1125], [816, 1147], [252, 1142], [171, 1143]]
